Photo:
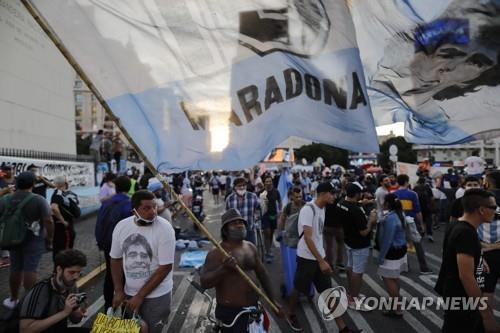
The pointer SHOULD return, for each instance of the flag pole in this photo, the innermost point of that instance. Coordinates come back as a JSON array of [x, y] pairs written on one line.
[[78, 69]]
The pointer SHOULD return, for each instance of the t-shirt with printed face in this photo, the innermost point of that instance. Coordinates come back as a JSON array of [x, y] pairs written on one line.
[[460, 238], [316, 220], [142, 249]]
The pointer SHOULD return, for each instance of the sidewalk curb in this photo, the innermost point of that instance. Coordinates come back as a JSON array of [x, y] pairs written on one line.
[[94, 273]]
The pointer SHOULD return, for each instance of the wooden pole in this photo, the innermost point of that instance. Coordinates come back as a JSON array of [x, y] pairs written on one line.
[[72, 61]]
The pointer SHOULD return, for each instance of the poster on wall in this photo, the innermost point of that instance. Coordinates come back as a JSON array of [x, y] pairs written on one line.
[[79, 174]]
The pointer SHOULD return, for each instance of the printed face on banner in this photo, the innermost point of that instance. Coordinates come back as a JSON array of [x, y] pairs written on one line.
[[300, 28], [442, 64], [219, 84]]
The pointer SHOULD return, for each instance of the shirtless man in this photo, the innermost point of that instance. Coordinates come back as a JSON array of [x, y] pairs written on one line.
[[232, 292]]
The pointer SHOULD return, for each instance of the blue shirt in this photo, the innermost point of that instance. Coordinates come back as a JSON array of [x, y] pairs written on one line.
[[391, 234], [489, 232], [409, 201], [126, 210]]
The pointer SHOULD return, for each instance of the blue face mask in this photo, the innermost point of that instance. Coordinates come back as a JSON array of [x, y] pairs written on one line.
[[142, 221]]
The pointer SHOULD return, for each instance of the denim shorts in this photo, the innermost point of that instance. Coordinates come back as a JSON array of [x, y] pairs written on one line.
[[357, 259], [27, 257]]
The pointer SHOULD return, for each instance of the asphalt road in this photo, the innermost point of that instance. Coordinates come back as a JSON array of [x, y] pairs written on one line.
[[190, 307]]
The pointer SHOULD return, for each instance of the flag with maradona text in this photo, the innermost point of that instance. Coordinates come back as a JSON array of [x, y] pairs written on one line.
[[209, 84]]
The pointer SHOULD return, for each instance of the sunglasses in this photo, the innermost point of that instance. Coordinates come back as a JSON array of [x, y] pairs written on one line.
[[494, 207]]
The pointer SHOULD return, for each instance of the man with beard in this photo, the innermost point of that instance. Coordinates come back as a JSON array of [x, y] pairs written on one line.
[[247, 204], [233, 293], [51, 302]]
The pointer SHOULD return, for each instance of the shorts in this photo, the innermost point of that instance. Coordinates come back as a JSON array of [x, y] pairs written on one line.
[[226, 314], [491, 278], [269, 222], [27, 257], [215, 191], [308, 272], [392, 268], [462, 321], [155, 312], [357, 259]]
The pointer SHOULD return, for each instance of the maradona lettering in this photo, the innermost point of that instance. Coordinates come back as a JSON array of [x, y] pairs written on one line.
[[254, 101]]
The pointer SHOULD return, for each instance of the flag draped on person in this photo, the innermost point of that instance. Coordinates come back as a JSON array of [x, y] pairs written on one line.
[[433, 64], [219, 83], [284, 185]]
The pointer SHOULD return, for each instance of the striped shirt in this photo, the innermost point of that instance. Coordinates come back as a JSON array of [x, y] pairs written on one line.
[[248, 206], [41, 302], [489, 232]]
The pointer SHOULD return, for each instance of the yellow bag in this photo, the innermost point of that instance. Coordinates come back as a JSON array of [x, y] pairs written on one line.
[[111, 324]]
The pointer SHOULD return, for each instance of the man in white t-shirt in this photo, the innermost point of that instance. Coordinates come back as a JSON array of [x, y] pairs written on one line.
[[311, 264], [475, 165], [142, 257]]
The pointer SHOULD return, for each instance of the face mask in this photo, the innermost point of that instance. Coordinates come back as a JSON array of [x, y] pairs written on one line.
[[142, 221], [237, 235], [241, 192]]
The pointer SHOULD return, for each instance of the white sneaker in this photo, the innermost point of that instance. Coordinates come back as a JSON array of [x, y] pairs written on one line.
[[360, 306], [9, 303]]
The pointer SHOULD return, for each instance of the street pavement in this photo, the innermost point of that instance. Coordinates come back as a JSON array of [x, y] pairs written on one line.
[[190, 307]]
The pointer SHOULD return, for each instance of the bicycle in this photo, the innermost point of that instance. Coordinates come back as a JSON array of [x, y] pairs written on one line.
[[255, 313]]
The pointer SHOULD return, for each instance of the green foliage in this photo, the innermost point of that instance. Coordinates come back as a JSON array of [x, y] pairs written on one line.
[[331, 155], [405, 152]]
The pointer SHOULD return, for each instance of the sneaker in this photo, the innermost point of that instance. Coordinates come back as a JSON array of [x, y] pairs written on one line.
[[9, 303], [363, 307], [426, 272], [294, 324], [430, 239]]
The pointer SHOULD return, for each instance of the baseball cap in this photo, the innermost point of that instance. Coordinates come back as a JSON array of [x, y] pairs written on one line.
[[353, 188], [325, 187]]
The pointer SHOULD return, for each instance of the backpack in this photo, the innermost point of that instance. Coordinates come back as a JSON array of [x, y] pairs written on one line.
[[291, 237], [11, 319], [73, 209], [13, 222], [106, 223]]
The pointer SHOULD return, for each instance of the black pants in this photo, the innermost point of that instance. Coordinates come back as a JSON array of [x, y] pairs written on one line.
[[109, 287]]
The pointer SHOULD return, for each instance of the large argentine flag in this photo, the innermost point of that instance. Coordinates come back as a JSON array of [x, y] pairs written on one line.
[[206, 84], [433, 64]]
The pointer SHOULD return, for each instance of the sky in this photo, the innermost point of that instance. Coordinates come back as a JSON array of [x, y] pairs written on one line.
[[397, 128]]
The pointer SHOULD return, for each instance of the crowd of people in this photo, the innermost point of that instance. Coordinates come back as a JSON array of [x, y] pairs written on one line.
[[333, 220]]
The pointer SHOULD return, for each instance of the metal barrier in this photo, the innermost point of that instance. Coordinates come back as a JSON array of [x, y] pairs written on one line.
[[43, 155]]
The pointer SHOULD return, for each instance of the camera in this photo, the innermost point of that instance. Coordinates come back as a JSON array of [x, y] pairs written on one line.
[[80, 298]]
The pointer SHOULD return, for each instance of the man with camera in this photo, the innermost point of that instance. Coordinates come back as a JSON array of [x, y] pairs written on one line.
[[51, 302]]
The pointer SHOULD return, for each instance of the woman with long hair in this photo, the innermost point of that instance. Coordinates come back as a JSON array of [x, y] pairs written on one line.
[[391, 240]]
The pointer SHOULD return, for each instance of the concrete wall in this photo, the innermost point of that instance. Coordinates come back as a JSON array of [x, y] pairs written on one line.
[[36, 86]]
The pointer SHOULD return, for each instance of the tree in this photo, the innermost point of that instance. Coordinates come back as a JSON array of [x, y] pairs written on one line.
[[405, 152], [331, 155]]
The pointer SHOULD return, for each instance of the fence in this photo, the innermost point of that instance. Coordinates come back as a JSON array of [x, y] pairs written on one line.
[[43, 155]]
